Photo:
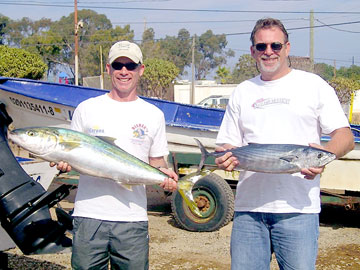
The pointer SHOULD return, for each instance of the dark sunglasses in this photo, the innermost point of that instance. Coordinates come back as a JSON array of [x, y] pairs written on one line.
[[275, 46], [129, 66]]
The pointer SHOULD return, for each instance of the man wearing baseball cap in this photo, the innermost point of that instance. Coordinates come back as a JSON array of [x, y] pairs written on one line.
[[110, 221], [127, 49]]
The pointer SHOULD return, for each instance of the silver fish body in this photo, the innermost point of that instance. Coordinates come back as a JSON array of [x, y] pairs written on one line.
[[98, 157], [274, 158], [86, 154]]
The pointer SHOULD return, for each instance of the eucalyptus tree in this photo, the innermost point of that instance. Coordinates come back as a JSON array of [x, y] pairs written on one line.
[[89, 23], [210, 52], [244, 69]]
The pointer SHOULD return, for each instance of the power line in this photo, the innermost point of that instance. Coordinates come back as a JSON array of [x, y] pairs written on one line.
[[342, 30], [248, 33], [87, 2], [207, 21], [181, 9], [181, 22], [301, 28]]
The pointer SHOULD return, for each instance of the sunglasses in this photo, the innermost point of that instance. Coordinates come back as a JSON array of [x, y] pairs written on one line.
[[129, 66], [275, 46]]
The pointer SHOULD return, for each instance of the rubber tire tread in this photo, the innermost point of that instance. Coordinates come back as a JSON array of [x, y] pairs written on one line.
[[224, 198]]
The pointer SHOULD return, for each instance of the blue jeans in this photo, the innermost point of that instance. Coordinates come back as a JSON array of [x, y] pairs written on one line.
[[292, 237]]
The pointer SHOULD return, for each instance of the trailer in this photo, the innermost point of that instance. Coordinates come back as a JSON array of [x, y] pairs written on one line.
[[214, 194]]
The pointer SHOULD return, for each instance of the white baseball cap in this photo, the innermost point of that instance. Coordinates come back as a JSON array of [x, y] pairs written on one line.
[[126, 49]]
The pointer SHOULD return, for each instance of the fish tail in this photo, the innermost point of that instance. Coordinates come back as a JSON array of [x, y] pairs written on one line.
[[204, 154], [185, 186]]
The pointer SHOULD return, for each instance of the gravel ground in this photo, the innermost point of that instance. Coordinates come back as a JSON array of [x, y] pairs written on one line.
[[173, 248]]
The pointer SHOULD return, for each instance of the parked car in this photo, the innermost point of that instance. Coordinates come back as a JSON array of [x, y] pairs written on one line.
[[215, 101]]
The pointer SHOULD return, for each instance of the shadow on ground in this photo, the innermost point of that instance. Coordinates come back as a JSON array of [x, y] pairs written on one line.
[[19, 262]]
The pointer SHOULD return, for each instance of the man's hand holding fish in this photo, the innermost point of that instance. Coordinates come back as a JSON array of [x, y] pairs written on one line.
[[227, 162], [169, 184]]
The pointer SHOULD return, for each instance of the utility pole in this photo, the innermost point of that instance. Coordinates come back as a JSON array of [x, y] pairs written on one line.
[[312, 40], [101, 69], [192, 90], [76, 44]]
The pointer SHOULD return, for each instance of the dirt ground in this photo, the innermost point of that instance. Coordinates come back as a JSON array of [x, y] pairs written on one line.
[[174, 248]]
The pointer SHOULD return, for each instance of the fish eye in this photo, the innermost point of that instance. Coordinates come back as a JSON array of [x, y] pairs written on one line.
[[31, 133], [320, 155]]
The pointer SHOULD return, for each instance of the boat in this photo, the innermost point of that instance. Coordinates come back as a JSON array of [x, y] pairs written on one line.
[[34, 103]]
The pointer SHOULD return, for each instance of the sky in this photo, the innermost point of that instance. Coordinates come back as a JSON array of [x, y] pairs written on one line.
[[336, 22]]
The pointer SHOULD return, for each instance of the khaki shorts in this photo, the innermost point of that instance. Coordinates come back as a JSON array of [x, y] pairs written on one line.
[[96, 243]]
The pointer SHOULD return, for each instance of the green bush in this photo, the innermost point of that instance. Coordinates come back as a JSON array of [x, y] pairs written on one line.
[[20, 64], [157, 76]]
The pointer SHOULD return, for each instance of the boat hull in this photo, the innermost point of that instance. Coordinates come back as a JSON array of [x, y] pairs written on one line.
[[183, 122], [26, 111]]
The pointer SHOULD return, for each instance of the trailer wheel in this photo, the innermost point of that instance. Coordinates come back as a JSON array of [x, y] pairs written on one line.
[[215, 200]]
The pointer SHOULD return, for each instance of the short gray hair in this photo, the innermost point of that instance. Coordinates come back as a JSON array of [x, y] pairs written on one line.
[[266, 24]]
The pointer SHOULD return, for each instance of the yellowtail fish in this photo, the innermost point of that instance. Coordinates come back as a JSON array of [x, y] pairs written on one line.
[[97, 156]]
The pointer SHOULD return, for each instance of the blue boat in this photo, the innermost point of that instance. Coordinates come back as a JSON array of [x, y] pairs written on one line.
[[34, 103]]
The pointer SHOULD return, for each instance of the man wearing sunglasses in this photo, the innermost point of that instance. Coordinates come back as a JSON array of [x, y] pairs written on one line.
[[110, 221], [278, 213]]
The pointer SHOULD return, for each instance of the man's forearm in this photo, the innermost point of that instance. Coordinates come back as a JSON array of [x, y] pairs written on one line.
[[342, 142]]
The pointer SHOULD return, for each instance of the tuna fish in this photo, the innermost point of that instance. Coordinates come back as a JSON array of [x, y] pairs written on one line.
[[97, 156], [273, 158]]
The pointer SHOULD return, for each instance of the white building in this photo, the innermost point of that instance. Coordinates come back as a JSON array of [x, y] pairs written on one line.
[[203, 89], [356, 102]]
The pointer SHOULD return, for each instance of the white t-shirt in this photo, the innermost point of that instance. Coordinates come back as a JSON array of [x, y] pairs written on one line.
[[295, 109], [139, 128]]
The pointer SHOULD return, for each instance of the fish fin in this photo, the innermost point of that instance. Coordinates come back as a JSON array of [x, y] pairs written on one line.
[[185, 186], [128, 187], [70, 145], [289, 158], [204, 155], [110, 140]]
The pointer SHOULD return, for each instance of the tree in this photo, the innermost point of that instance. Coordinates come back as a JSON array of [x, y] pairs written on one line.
[[4, 21], [149, 47], [223, 75], [92, 22], [344, 88], [177, 49], [20, 63], [244, 69], [210, 53], [17, 30], [353, 72], [325, 71], [157, 77], [48, 45], [148, 35]]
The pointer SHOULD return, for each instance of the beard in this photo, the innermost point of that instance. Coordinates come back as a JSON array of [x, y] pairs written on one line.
[[269, 69]]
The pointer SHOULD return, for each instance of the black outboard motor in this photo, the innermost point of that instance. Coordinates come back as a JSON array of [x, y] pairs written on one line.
[[25, 205]]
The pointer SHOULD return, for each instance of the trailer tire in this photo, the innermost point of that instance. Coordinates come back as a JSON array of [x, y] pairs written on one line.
[[215, 200]]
